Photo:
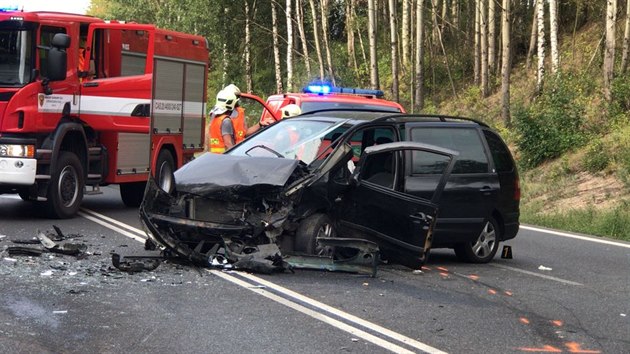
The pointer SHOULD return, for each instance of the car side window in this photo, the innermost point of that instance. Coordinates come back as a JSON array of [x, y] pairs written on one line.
[[467, 141], [46, 35], [500, 153], [380, 169]]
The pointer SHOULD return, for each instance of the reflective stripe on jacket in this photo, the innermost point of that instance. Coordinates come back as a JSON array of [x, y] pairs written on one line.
[[238, 123]]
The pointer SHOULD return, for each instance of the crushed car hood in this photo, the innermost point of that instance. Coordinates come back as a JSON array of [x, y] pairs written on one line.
[[212, 175]]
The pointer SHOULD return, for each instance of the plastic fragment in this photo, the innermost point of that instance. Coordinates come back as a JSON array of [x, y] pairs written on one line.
[[542, 267]]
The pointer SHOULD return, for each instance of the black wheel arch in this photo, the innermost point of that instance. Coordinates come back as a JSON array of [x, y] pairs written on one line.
[[68, 136]]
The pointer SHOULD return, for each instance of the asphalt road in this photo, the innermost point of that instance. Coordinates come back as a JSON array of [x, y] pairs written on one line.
[[558, 294]]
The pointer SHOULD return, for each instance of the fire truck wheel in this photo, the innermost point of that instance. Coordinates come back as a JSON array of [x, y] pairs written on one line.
[[164, 169], [65, 191], [132, 193]]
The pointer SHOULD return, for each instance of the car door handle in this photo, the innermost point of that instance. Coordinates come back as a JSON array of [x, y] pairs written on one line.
[[486, 190], [90, 84], [422, 217]]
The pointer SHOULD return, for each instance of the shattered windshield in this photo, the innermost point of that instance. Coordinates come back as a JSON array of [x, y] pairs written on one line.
[[16, 57], [293, 139]]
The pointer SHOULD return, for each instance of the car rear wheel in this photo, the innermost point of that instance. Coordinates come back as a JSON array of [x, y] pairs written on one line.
[[314, 226], [483, 249]]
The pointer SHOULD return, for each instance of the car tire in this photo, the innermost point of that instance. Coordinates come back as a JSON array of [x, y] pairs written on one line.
[[483, 249], [65, 191], [312, 227], [164, 171], [132, 193]]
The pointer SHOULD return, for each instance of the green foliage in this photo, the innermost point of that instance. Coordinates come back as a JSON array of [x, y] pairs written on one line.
[[597, 157], [552, 125], [621, 96], [614, 222]]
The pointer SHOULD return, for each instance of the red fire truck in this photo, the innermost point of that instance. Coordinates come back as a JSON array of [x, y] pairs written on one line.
[[84, 102]]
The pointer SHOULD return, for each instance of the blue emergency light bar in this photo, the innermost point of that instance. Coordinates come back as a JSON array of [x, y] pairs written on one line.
[[8, 8], [323, 89]]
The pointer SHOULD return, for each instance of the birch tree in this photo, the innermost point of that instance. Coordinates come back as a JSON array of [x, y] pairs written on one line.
[[299, 17], [506, 65], [477, 52], [276, 48], [324, 8], [318, 48], [405, 32], [372, 35], [248, 63], [491, 36], [484, 48], [394, 48], [553, 35], [626, 40], [540, 13], [532, 38], [419, 55], [289, 17], [352, 59], [609, 53]]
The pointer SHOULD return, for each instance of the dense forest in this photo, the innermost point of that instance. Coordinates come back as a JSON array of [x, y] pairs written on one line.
[[551, 75]]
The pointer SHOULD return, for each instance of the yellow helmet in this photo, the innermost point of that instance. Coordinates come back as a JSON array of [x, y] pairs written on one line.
[[291, 110], [226, 100]]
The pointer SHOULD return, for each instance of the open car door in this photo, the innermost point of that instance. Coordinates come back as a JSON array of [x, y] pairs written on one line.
[[377, 208]]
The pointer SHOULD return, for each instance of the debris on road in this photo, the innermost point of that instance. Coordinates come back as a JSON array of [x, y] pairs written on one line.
[[24, 251], [135, 264], [542, 267]]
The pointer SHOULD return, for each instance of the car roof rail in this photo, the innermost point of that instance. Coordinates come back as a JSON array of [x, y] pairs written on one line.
[[440, 117]]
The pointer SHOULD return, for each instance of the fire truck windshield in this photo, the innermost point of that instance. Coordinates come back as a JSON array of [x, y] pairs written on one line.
[[16, 57]]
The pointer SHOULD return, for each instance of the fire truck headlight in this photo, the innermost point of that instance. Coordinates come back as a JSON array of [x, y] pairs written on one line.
[[7, 150]]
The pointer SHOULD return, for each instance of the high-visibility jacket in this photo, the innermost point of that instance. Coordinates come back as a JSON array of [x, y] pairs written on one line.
[[217, 145], [238, 123]]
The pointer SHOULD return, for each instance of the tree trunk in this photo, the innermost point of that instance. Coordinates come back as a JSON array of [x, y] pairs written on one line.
[[477, 54], [444, 19], [352, 59], [553, 33], [626, 40], [434, 20], [354, 14], [405, 33], [419, 55], [455, 15], [609, 54], [532, 38], [372, 34], [289, 18], [248, 63], [540, 13], [492, 53], [225, 56], [484, 47], [276, 48], [318, 49], [299, 14], [324, 9], [506, 55], [394, 48]]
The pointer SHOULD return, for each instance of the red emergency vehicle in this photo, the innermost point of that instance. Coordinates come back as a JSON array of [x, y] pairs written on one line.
[[321, 96], [84, 102]]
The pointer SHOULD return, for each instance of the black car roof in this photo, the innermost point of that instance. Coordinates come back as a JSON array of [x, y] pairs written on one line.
[[362, 116]]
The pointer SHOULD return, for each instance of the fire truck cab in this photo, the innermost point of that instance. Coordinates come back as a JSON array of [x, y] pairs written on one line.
[[84, 102]]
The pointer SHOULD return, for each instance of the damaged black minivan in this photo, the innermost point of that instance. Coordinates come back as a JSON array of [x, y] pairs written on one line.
[[320, 185]]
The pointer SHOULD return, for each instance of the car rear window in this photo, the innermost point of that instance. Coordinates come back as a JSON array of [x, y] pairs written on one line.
[[500, 153], [472, 157]]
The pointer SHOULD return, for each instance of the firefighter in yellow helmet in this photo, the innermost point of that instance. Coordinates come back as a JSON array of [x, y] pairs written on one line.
[[228, 126]]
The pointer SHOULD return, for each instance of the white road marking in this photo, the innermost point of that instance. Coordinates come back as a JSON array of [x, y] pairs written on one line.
[[577, 237], [316, 315], [114, 221], [300, 308], [564, 281], [112, 227], [374, 327]]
